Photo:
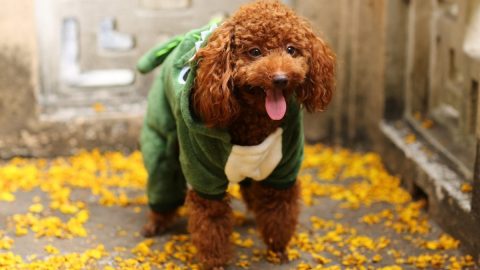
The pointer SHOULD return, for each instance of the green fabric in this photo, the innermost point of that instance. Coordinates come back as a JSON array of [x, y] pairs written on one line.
[[177, 148], [157, 55]]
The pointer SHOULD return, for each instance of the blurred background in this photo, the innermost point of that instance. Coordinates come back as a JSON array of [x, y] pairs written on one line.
[[407, 84]]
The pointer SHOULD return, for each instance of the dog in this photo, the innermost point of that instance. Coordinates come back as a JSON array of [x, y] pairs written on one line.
[[226, 108]]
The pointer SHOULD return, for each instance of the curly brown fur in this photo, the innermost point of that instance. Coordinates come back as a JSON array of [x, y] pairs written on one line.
[[210, 225], [157, 222], [230, 92], [276, 213], [231, 84]]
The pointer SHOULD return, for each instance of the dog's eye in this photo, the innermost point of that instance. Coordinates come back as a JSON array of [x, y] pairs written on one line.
[[291, 50], [255, 52]]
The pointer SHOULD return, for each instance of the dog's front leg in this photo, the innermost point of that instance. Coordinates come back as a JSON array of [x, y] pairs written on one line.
[[210, 225], [276, 213]]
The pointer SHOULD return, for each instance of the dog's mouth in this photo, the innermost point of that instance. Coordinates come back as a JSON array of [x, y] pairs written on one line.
[[275, 103]]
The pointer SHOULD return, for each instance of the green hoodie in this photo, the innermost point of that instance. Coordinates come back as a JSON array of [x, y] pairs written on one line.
[[178, 148]]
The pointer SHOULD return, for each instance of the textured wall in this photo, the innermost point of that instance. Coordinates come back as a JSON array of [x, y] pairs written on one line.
[[356, 32], [23, 129], [18, 60]]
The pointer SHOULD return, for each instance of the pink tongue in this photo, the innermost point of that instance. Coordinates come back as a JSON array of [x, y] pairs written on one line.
[[275, 104]]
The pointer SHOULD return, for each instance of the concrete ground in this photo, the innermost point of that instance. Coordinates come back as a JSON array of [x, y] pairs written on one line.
[[86, 211]]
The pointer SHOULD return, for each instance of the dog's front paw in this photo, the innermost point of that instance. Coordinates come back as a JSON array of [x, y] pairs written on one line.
[[151, 229], [277, 257], [283, 256], [207, 266], [215, 268], [157, 223]]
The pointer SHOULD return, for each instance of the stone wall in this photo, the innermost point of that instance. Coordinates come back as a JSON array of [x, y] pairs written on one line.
[[24, 131], [18, 59]]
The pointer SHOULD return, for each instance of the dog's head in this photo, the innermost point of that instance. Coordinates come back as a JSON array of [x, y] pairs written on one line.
[[259, 57]]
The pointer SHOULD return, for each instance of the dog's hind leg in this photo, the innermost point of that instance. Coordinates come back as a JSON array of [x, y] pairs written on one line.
[[157, 222], [166, 195], [166, 185], [276, 213], [166, 192], [210, 225]]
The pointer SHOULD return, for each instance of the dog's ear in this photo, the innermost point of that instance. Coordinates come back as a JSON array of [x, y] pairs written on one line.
[[213, 99], [316, 92]]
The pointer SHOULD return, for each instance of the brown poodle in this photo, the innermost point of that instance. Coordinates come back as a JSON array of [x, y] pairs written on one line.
[[254, 65]]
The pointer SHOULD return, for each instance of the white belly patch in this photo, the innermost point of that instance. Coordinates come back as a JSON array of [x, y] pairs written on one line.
[[256, 162]]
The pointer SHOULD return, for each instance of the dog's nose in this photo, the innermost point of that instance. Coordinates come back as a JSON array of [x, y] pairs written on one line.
[[280, 80]]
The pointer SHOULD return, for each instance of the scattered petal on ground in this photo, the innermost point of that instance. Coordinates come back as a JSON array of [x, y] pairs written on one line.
[[85, 212]]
